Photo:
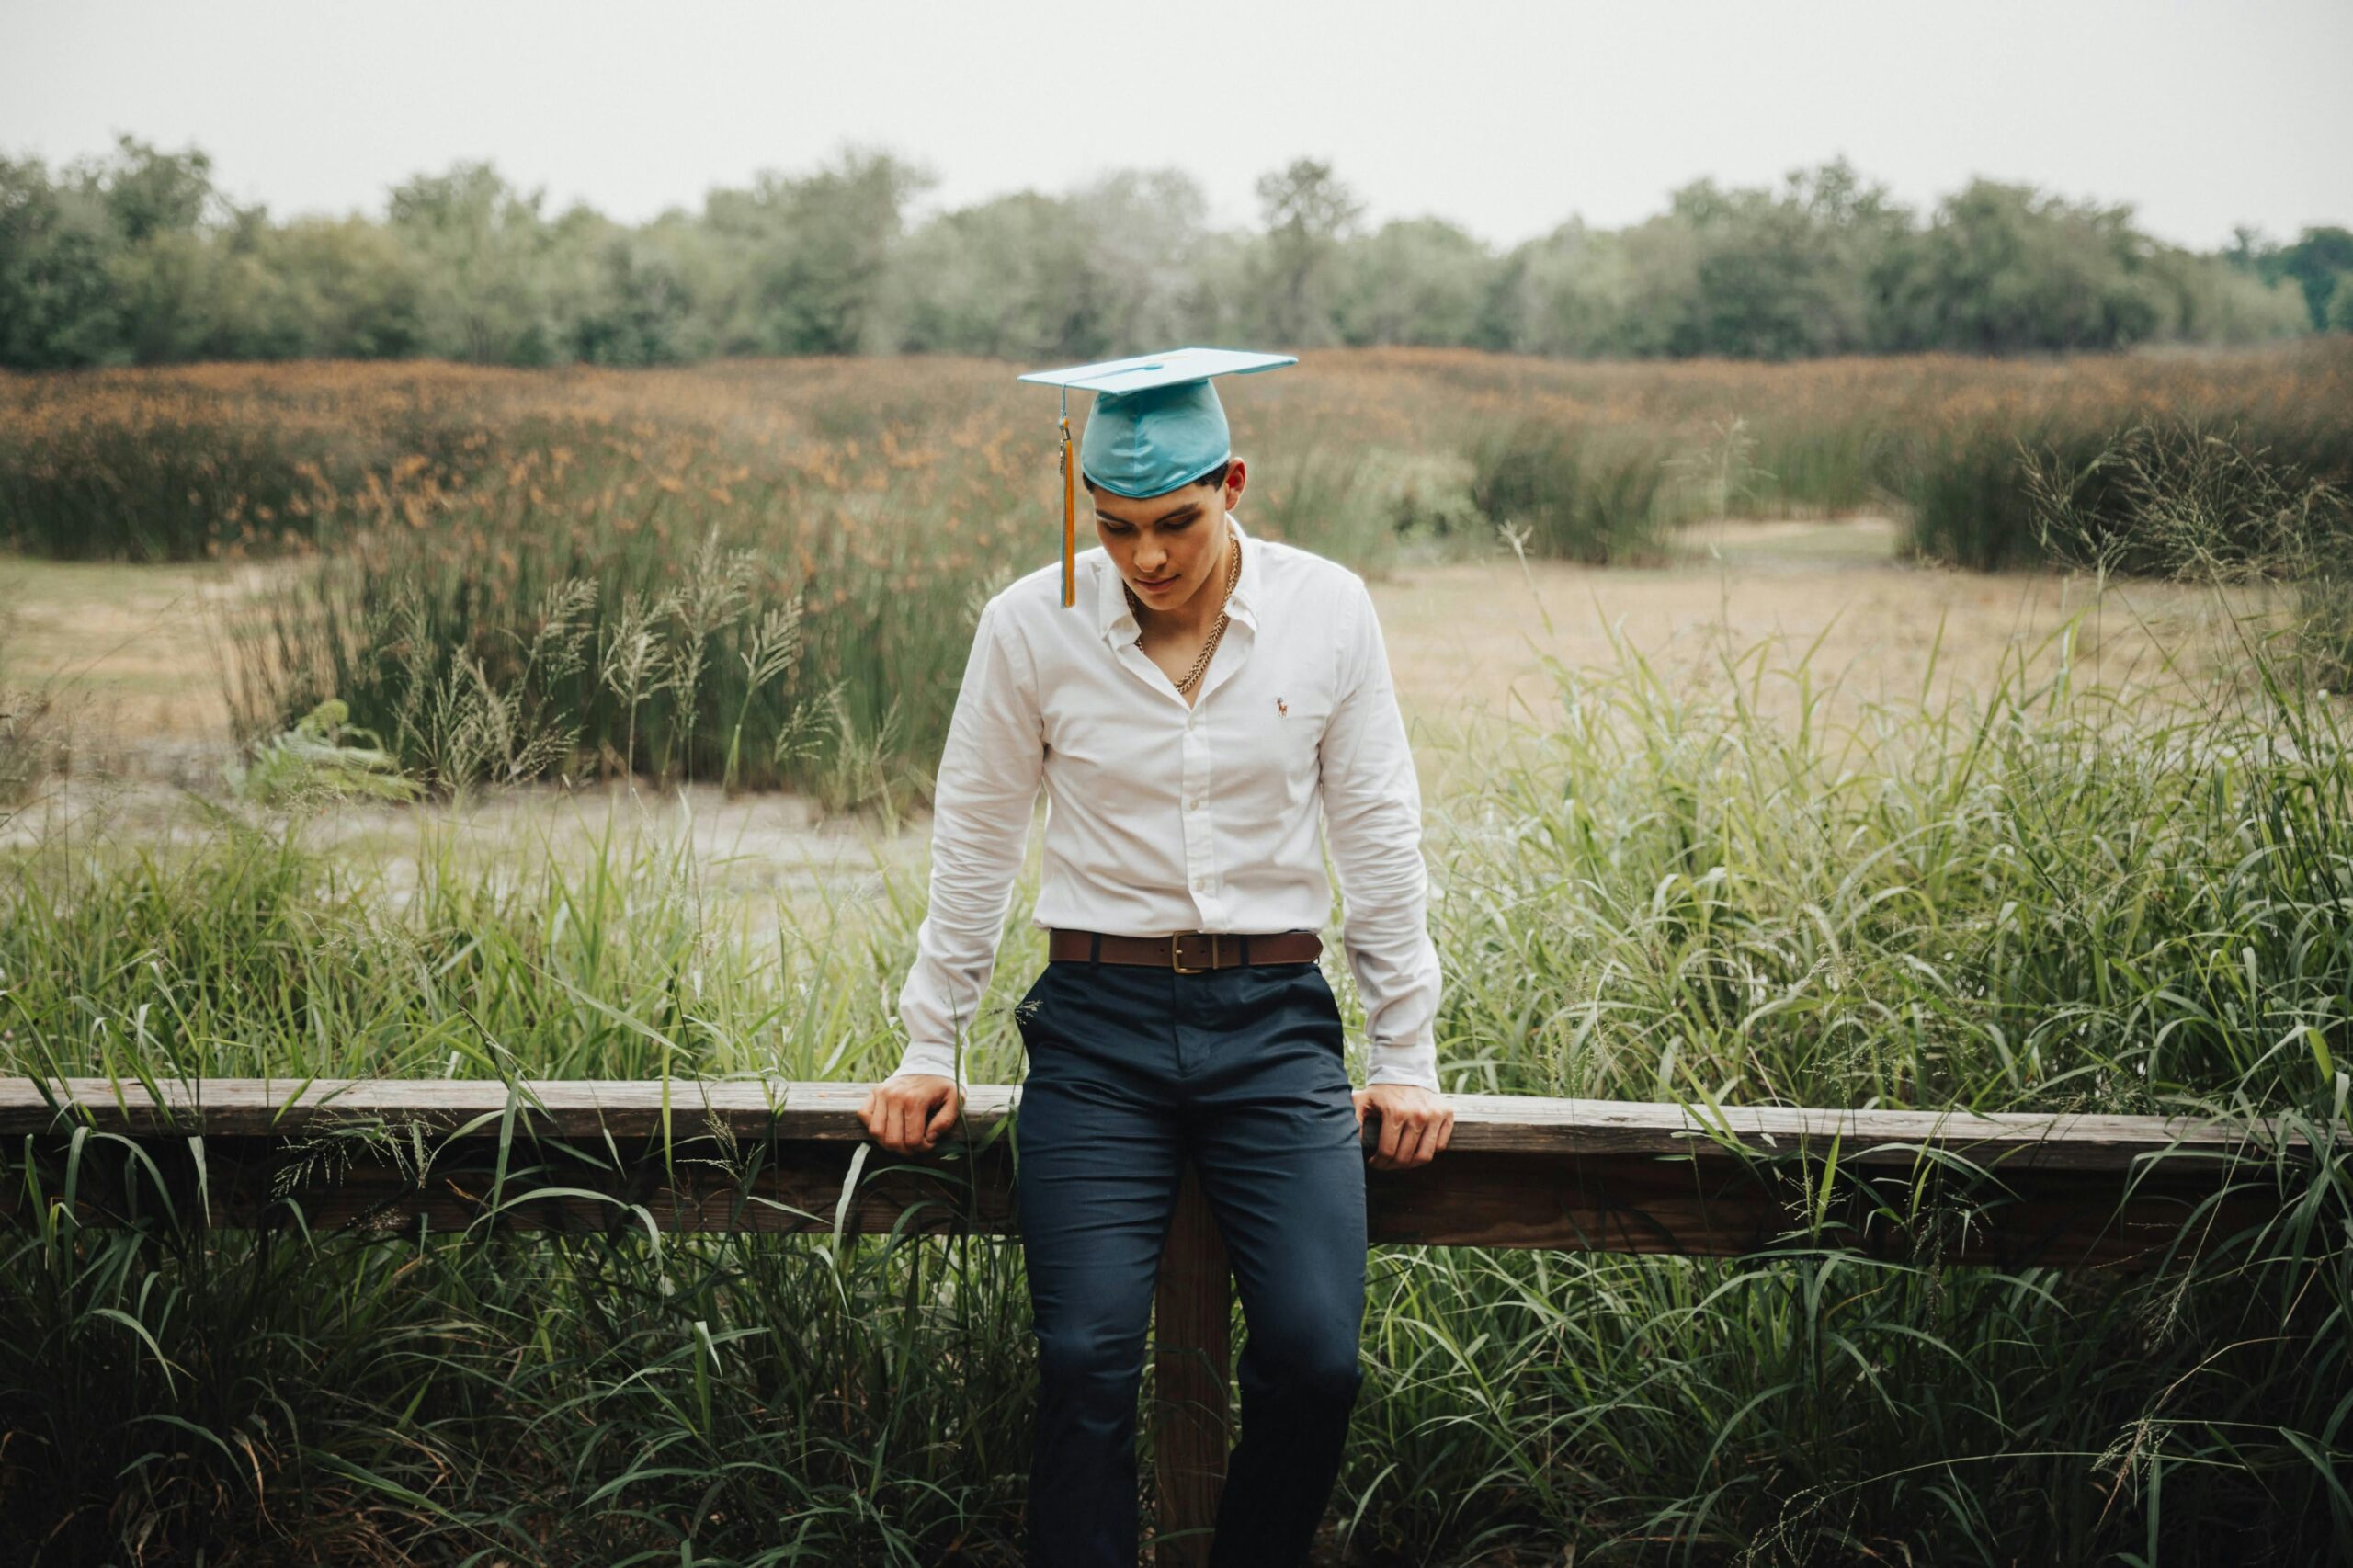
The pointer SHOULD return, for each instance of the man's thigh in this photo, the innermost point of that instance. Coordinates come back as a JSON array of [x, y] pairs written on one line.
[[1097, 1149], [1274, 1135]]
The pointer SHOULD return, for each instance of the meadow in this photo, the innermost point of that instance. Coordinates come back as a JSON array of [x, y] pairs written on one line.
[[764, 573], [2099, 861]]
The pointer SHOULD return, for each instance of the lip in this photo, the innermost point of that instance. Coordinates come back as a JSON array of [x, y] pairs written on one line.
[[1156, 583]]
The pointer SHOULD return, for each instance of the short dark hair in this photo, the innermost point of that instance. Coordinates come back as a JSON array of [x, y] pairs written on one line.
[[1215, 477]]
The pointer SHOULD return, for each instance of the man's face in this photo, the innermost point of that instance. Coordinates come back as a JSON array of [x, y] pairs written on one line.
[[1166, 546]]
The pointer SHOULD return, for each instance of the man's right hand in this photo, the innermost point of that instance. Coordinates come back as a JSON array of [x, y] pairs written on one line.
[[910, 1115]]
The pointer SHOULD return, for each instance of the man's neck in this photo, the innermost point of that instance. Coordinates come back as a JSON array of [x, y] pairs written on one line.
[[1200, 612]]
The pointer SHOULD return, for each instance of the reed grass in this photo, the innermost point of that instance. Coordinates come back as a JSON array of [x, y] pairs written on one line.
[[242, 459], [765, 573], [1569, 498]]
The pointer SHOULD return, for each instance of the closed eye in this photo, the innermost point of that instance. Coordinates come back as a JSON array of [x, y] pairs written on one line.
[[1115, 525]]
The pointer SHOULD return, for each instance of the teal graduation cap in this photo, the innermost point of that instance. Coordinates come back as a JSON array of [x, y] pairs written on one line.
[[1156, 425]]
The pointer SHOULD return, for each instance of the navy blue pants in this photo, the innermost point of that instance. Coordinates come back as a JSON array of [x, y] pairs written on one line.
[[1132, 1071]]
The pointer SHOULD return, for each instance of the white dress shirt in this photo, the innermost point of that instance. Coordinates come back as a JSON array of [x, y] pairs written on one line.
[[1162, 817]]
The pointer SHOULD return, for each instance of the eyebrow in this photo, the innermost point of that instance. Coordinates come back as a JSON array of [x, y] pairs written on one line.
[[1179, 514]]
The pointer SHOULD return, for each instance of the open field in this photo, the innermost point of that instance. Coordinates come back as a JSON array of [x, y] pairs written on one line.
[[791, 551], [1773, 810]]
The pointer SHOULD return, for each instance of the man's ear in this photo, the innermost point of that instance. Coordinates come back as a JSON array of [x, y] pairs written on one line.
[[1235, 474]]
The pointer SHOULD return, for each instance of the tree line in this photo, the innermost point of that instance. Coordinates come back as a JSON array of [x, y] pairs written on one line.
[[137, 258]]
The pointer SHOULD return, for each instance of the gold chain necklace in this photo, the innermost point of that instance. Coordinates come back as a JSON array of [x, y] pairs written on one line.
[[1232, 575]]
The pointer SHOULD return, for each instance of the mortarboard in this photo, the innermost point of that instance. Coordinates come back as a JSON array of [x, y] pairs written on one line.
[[1156, 425]]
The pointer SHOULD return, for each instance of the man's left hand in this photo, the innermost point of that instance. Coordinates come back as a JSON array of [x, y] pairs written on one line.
[[1414, 1124]]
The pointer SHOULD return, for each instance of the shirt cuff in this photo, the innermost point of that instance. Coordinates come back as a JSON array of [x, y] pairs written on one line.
[[938, 1060], [1407, 1062]]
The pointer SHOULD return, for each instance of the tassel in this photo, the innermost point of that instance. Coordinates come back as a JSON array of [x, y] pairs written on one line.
[[1070, 513]]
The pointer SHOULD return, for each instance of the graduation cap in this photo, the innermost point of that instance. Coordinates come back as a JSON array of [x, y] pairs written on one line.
[[1156, 425]]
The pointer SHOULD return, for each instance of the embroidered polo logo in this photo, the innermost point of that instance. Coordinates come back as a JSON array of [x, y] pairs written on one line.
[[1280, 707]]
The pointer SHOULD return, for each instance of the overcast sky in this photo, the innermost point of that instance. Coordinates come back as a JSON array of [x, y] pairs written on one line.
[[1507, 118]]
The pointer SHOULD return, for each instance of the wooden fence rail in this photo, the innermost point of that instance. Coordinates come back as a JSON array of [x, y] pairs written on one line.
[[577, 1155]]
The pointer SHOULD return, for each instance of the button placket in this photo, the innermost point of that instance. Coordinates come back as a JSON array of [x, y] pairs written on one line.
[[1200, 857], [1200, 847]]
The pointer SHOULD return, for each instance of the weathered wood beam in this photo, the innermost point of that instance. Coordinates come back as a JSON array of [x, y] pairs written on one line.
[[1572, 1175], [1518, 1124]]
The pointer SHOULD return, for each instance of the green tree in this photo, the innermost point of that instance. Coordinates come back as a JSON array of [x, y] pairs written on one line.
[[2005, 268], [2341, 304], [1566, 293], [1146, 232], [1780, 275], [1108, 268], [481, 244], [149, 192], [2212, 299], [1010, 278], [58, 306], [642, 309], [164, 274], [134, 257], [1419, 281], [2318, 260], [815, 253], [1309, 214], [359, 287]]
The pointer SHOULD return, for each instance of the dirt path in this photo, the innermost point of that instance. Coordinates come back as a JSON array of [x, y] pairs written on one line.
[[1475, 635], [132, 650]]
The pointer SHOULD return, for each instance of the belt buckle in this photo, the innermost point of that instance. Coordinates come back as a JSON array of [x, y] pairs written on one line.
[[1178, 964]]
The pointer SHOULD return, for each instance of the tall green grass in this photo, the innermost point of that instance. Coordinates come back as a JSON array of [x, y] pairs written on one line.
[[1737, 887], [1574, 497], [2197, 504], [1974, 496], [597, 617], [2049, 895]]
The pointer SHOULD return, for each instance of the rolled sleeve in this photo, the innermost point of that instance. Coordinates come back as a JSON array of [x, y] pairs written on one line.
[[1372, 813], [990, 770]]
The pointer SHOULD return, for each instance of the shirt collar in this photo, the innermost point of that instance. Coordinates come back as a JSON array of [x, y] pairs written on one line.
[[1114, 620]]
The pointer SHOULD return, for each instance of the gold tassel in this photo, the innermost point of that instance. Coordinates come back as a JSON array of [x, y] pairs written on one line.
[[1070, 513]]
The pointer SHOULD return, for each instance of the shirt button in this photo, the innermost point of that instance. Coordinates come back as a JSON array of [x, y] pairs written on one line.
[[1200, 884], [1194, 804]]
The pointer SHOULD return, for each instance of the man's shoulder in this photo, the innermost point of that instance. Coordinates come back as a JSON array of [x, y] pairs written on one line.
[[1293, 571], [1306, 564]]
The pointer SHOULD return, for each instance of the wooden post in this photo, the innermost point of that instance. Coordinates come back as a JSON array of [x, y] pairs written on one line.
[[1192, 1310]]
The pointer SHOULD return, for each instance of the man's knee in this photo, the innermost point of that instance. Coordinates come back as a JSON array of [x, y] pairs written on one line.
[[1323, 1366], [1333, 1378], [1091, 1357]]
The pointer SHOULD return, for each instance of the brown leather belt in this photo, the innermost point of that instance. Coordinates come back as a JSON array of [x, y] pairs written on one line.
[[1186, 952]]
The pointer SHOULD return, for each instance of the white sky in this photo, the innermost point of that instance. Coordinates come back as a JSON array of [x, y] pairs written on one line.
[[1505, 117]]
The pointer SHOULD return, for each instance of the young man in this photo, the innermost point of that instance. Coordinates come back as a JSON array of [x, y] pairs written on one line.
[[1194, 701]]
